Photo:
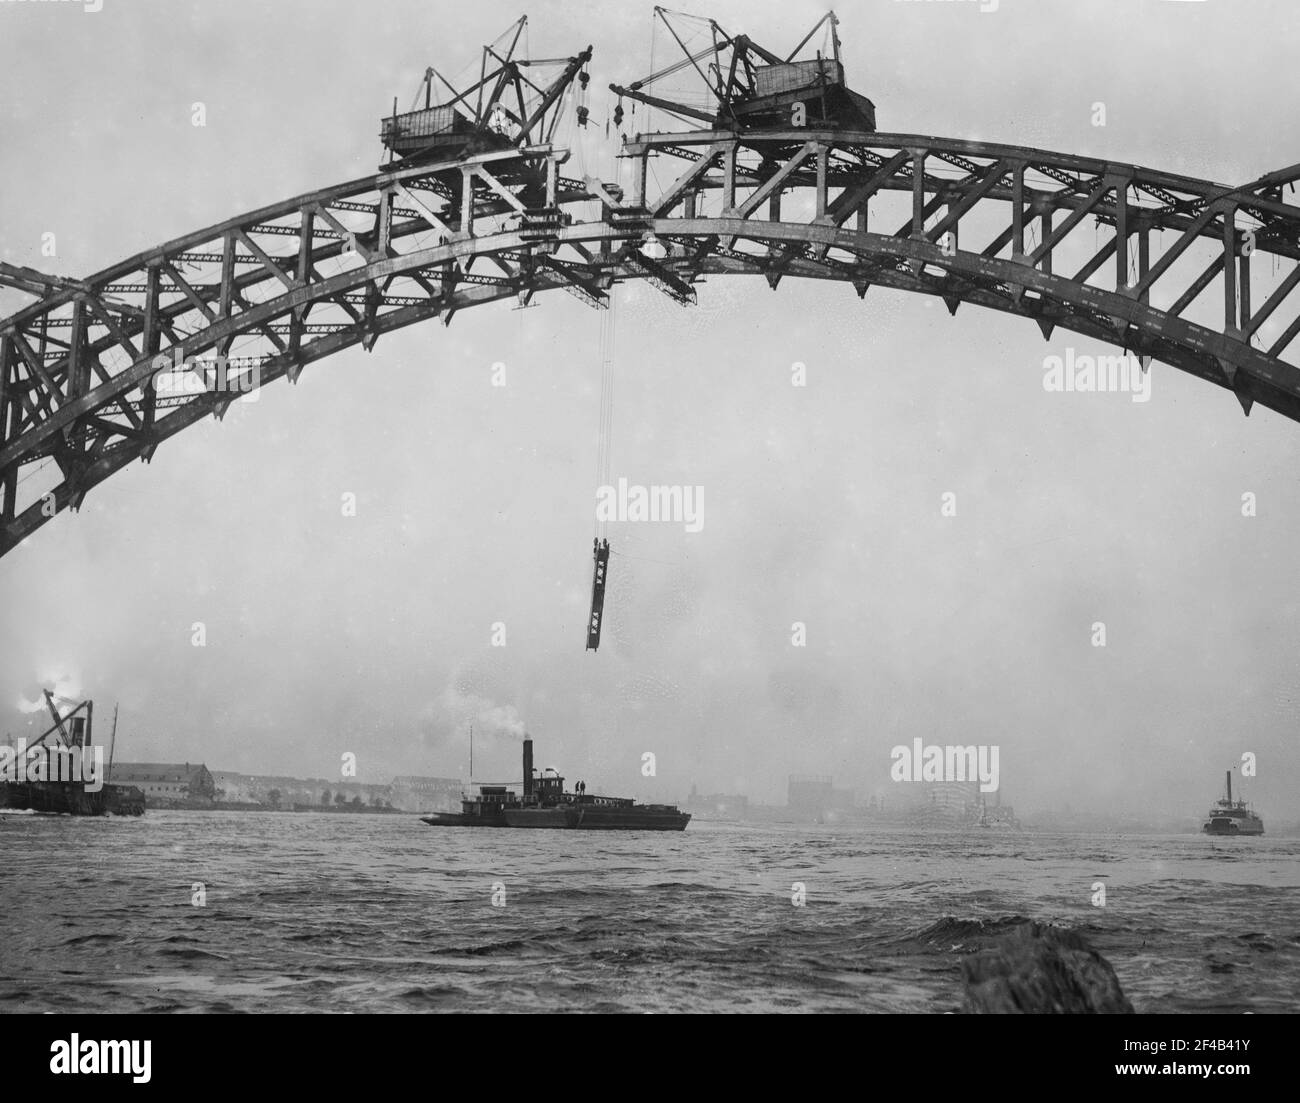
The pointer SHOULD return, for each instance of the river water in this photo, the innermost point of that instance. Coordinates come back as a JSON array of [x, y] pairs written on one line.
[[188, 911]]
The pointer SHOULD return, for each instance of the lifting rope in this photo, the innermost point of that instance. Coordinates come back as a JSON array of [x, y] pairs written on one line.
[[608, 350], [600, 543]]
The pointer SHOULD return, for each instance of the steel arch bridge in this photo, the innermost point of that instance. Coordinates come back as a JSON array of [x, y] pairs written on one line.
[[96, 373]]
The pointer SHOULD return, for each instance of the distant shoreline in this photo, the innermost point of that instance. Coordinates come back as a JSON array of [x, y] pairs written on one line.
[[242, 806]]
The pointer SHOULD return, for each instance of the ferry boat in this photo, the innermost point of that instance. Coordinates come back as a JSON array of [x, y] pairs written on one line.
[[543, 803], [1229, 817]]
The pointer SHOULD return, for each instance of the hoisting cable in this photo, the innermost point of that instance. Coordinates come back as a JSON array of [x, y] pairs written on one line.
[[600, 543]]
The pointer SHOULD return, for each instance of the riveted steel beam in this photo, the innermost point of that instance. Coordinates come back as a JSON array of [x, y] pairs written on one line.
[[295, 282]]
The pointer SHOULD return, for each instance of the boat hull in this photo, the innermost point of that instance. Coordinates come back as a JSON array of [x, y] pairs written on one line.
[[461, 819], [1232, 827], [71, 798], [587, 818], [629, 819], [537, 817], [569, 819]]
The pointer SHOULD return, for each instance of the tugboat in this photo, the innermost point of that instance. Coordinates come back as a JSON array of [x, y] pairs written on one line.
[[1229, 817], [544, 803]]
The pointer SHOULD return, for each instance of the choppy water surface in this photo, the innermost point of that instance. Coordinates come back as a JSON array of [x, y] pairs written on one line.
[[319, 912]]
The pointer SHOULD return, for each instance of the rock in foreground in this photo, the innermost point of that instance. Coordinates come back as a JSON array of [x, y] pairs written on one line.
[[1035, 969]]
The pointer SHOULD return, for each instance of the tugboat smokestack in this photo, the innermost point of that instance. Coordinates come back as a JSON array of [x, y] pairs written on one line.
[[528, 765], [1229, 775]]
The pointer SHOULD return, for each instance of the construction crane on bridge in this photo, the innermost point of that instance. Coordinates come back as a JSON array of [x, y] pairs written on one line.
[[756, 88], [513, 104], [771, 168]]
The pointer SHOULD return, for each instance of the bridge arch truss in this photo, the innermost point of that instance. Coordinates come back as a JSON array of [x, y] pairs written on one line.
[[96, 373]]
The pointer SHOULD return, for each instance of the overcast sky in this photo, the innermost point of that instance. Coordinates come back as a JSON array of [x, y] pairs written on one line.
[[372, 634]]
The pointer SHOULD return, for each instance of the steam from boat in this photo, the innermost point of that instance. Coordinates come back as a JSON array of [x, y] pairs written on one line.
[[65, 687], [448, 719]]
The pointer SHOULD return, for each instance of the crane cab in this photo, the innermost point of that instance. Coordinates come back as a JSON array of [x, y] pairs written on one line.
[[806, 93]]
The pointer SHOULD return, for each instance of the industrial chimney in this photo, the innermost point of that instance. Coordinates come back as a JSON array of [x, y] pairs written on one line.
[[1229, 776], [528, 765]]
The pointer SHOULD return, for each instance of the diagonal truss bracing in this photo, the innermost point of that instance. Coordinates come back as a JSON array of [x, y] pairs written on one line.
[[96, 373]]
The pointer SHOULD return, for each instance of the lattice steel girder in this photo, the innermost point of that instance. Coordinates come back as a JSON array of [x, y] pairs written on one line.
[[1132, 200], [1182, 198], [313, 275], [216, 301]]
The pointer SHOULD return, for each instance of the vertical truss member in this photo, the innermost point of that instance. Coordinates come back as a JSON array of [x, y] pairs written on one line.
[[600, 553]]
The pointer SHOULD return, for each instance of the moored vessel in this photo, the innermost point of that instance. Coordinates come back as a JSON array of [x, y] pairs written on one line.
[[66, 776]]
